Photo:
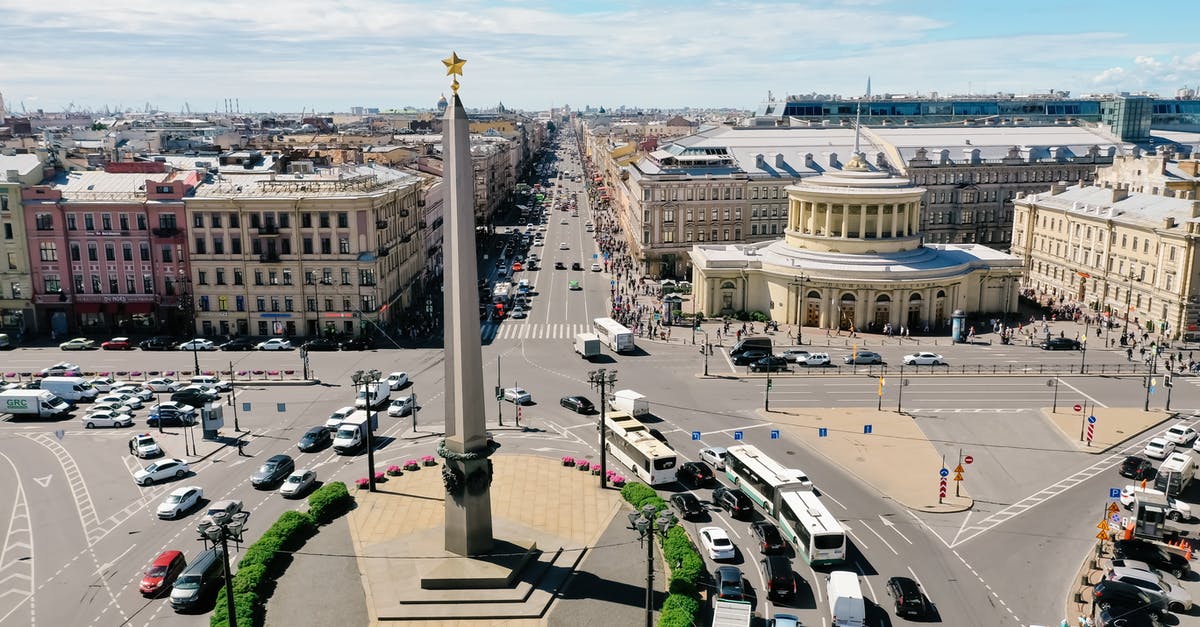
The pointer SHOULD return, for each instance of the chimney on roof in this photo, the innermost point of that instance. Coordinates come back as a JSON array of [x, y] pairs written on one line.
[[1120, 193], [779, 161], [1169, 222], [1196, 208], [1057, 188], [1190, 168]]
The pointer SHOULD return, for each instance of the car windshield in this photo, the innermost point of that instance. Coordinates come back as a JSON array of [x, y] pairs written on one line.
[[174, 498], [146, 442], [156, 571], [188, 582], [721, 542], [295, 479], [267, 467]]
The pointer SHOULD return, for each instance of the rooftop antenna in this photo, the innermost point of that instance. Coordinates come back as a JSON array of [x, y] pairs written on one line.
[[858, 116]]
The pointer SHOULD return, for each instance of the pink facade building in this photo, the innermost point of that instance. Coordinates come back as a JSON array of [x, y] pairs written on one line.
[[108, 250]]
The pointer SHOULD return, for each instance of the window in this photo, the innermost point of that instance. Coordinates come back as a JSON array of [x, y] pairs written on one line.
[[328, 304], [258, 277], [344, 245], [306, 245], [255, 221], [166, 221], [326, 246], [345, 276], [368, 302], [306, 220], [113, 287], [237, 277], [668, 236], [274, 303], [71, 226], [366, 276], [141, 222], [95, 283], [272, 277], [201, 246], [218, 245], [234, 223], [127, 251], [45, 222], [343, 218], [240, 302], [754, 229], [255, 246], [74, 255], [288, 303], [311, 303], [220, 276], [168, 286], [147, 284], [49, 251], [145, 251], [198, 221], [235, 245], [15, 289], [287, 277], [284, 221], [260, 303], [52, 286], [285, 246], [223, 303], [346, 304], [202, 277], [166, 254], [12, 261], [324, 216], [327, 276]]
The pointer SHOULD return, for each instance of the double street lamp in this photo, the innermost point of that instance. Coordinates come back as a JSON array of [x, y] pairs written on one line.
[[187, 306], [366, 378], [648, 526], [220, 530], [602, 380]]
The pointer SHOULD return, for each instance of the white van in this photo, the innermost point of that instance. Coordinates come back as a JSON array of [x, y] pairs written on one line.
[[211, 381], [73, 389], [846, 606], [1175, 474]]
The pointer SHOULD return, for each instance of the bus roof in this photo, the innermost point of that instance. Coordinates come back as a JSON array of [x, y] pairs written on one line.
[[638, 433], [808, 507], [780, 474]]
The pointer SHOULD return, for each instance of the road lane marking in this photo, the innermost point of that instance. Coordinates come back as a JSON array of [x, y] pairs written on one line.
[[866, 580], [961, 527], [84, 506], [19, 524], [891, 525], [915, 577], [857, 540], [885, 542], [1082, 393]]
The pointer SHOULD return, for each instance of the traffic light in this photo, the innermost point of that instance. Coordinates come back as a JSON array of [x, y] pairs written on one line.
[[499, 394]]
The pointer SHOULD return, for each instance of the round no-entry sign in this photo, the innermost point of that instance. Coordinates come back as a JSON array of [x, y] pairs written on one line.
[[1078, 407], [968, 459]]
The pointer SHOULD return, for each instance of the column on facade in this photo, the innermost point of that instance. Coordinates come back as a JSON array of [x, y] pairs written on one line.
[[878, 221], [862, 221], [828, 219], [845, 221], [895, 219], [824, 308], [914, 215]]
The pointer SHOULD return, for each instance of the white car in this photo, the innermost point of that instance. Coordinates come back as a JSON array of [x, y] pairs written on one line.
[[297, 482], [815, 359], [1176, 510], [1158, 448], [163, 384], [924, 359], [77, 344], [104, 418], [517, 396], [397, 380], [401, 406], [105, 384], [274, 344], [120, 408], [135, 390], [121, 399], [161, 470], [518, 313], [179, 501], [715, 456], [335, 419], [198, 344], [1181, 435], [61, 369], [143, 445], [717, 543], [595, 267], [563, 245], [1174, 597], [795, 355], [538, 242], [211, 381]]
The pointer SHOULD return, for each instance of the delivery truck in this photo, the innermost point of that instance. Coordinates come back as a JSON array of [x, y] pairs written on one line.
[[33, 403], [633, 403], [587, 345], [71, 389], [351, 436], [374, 395]]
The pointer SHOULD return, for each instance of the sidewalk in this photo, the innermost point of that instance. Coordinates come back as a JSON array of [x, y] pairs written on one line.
[[1113, 425]]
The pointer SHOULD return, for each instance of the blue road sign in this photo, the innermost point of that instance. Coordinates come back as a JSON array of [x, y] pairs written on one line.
[[866, 428], [245, 406], [1091, 420], [695, 435], [1114, 493], [822, 432], [612, 283], [1152, 389], [281, 407], [774, 434], [595, 256], [737, 435], [943, 472]]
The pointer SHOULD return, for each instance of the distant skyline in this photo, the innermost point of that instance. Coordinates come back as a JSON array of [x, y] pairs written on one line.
[[276, 55]]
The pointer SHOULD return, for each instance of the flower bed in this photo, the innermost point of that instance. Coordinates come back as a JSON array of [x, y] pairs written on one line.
[[394, 470], [584, 466], [412, 464], [362, 483], [567, 460], [380, 477], [428, 460]]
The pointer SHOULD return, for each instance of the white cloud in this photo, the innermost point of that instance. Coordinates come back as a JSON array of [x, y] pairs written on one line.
[[1153, 73]]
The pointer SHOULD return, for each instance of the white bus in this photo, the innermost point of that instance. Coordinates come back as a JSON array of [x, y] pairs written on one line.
[[761, 478], [618, 338], [502, 294], [630, 442], [812, 530]]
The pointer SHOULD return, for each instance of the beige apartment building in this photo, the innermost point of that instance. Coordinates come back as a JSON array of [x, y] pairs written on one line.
[[315, 251], [1130, 255], [16, 283]]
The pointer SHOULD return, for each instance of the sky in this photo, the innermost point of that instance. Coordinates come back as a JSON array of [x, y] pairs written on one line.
[[293, 55]]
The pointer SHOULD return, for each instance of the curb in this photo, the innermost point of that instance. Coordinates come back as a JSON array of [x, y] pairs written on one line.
[[1086, 569], [277, 383]]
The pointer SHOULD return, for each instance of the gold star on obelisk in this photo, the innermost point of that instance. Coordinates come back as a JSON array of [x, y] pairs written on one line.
[[454, 65]]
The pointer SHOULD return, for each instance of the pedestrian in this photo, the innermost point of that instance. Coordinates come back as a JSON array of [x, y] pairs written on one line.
[[241, 445]]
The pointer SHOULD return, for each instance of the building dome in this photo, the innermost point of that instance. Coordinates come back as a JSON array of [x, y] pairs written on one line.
[[442, 103]]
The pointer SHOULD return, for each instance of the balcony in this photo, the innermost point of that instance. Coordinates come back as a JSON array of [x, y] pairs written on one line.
[[165, 231], [421, 202], [268, 229], [381, 224], [269, 258], [382, 251], [422, 224], [403, 213]]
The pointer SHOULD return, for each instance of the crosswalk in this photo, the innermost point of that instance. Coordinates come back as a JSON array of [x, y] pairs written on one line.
[[523, 330]]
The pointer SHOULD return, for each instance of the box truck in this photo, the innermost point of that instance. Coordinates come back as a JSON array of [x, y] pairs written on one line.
[[631, 402], [352, 434], [35, 403], [73, 389], [587, 345], [375, 395]]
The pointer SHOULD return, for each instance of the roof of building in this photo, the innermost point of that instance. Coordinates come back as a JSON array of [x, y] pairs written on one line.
[[994, 142], [1136, 208], [337, 182], [97, 184], [23, 164]]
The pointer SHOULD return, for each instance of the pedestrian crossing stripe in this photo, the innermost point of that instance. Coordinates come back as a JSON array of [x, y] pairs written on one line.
[[521, 330]]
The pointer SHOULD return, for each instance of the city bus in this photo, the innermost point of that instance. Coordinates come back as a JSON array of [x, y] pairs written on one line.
[[618, 338], [761, 478], [630, 442], [812, 530]]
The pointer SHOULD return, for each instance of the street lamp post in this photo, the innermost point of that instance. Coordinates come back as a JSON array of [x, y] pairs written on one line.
[[1128, 295], [187, 306], [603, 379], [1054, 384], [366, 378], [221, 529], [1152, 366], [800, 311], [706, 349], [648, 526]]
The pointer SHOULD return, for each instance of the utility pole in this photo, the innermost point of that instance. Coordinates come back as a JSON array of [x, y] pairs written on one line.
[[233, 399], [900, 390], [767, 395], [367, 378], [647, 526], [603, 379], [706, 349], [414, 407], [1153, 362], [221, 530], [499, 395]]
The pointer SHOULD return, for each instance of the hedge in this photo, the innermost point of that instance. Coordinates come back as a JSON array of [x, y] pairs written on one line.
[[687, 567], [328, 502], [259, 567]]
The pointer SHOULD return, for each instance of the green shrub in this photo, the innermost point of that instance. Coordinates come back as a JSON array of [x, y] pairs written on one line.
[[742, 315], [635, 493], [256, 570], [759, 316], [679, 611], [248, 578], [685, 578], [247, 606], [329, 501]]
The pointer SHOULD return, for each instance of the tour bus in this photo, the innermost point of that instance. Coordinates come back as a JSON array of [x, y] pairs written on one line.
[[618, 338], [761, 478], [630, 442], [813, 531], [502, 293]]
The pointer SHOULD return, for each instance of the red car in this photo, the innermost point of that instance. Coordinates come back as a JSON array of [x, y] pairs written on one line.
[[516, 267], [162, 573], [118, 344]]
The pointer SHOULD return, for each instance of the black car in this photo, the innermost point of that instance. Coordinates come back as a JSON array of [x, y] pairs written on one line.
[[171, 419], [769, 539], [907, 596], [1153, 555], [356, 344], [733, 501], [314, 439], [1109, 593], [238, 344], [687, 505], [728, 581], [576, 266], [1135, 467], [320, 344], [770, 363], [695, 474], [274, 470], [1111, 616], [748, 357], [781, 583], [1060, 344], [558, 265], [577, 404], [158, 343], [194, 397]]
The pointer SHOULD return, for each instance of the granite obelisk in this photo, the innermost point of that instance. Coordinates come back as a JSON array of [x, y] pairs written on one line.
[[467, 469]]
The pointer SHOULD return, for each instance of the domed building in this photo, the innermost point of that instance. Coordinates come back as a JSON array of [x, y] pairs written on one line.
[[852, 257], [442, 103]]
